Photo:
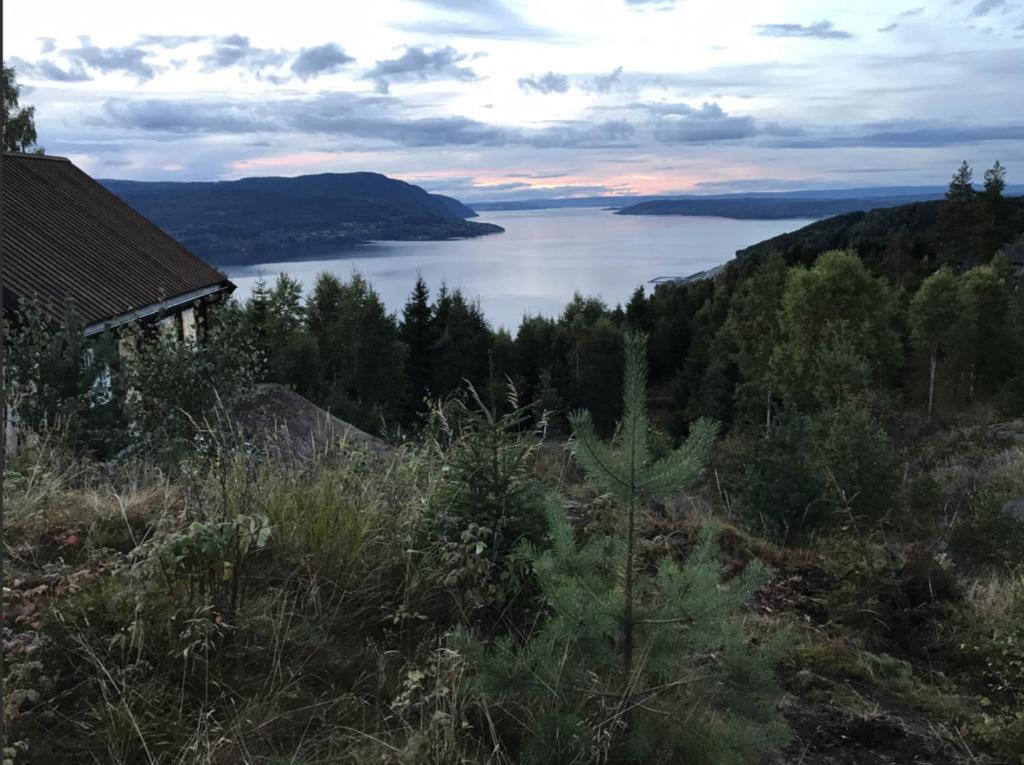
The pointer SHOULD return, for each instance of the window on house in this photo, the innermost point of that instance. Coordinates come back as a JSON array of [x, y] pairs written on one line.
[[189, 327], [102, 386]]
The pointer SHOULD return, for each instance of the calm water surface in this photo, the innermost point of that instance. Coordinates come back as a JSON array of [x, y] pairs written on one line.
[[543, 257]]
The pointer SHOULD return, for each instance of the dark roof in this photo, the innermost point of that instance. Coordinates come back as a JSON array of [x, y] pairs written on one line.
[[67, 239]]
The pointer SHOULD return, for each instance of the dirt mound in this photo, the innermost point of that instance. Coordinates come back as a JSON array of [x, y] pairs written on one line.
[[283, 419]]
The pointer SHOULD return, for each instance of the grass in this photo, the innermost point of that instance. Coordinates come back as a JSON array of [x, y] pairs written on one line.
[[335, 650]]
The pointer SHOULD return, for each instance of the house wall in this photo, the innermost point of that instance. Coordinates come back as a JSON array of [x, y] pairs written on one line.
[[184, 323]]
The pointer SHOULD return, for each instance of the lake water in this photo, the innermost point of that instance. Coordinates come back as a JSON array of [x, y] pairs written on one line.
[[543, 257]]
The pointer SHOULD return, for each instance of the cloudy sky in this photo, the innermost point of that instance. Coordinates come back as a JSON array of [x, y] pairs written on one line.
[[492, 99]]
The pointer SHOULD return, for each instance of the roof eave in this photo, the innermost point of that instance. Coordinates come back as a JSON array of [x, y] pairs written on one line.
[[225, 287]]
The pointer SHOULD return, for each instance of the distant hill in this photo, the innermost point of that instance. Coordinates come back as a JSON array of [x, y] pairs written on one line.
[[873, 230], [893, 195], [763, 208], [257, 220]]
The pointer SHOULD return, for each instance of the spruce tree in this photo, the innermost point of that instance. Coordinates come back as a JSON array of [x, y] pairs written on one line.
[[961, 188], [995, 180], [419, 335]]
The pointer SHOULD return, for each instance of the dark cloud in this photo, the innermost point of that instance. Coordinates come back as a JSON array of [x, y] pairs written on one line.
[[546, 83], [581, 135], [167, 41], [47, 44], [900, 134], [371, 119], [911, 12], [682, 123], [236, 50], [129, 60], [47, 70], [888, 27], [491, 19], [986, 6], [603, 83], [418, 63], [180, 116], [322, 59], [823, 30]]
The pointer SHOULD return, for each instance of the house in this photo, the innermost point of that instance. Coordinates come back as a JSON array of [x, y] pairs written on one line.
[[69, 243]]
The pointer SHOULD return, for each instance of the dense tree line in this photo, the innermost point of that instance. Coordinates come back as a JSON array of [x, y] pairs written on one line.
[[770, 333]]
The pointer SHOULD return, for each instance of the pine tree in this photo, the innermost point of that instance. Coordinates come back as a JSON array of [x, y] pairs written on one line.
[[628, 667], [630, 476]]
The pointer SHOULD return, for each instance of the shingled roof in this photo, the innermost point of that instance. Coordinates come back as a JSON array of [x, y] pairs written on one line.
[[68, 240]]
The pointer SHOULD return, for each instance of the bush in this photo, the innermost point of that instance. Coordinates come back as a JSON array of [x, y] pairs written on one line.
[[813, 471], [487, 503]]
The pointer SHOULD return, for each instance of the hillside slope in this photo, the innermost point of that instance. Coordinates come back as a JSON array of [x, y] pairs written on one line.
[[255, 220], [762, 208]]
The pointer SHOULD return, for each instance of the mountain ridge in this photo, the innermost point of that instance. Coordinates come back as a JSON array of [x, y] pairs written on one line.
[[266, 218]]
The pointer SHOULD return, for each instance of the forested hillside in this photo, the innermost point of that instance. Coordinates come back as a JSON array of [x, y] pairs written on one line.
[[771, 517], [257, 220]]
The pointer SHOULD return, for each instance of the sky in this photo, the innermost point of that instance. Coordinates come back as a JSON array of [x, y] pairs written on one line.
[[516, 99]]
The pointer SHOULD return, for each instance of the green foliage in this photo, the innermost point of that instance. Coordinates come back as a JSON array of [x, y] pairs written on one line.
[[635, 668], [934, 312], [753, 329], [419, 333], [178, 389], [961, 188], [59, 381], [781, 491], [19, 127], [841, 331], [701, 692], [488, 503], [202, 564], [814, 471]]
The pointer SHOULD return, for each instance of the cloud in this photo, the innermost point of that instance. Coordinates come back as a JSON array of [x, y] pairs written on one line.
[[168, 41], [418, 63], [682, 123], [985, 6], [580, 135], [658, 5], [372, 119], [603, 83], [47, 70], [183, 116], [546, 83], [911, 12], [486, 19], [129, 60], [888, 27], [823, 30], [236, 50], [322, 59], [908, 133], [47, 44]]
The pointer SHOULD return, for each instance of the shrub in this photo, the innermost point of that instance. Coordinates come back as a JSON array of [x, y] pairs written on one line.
[[487, 503]]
